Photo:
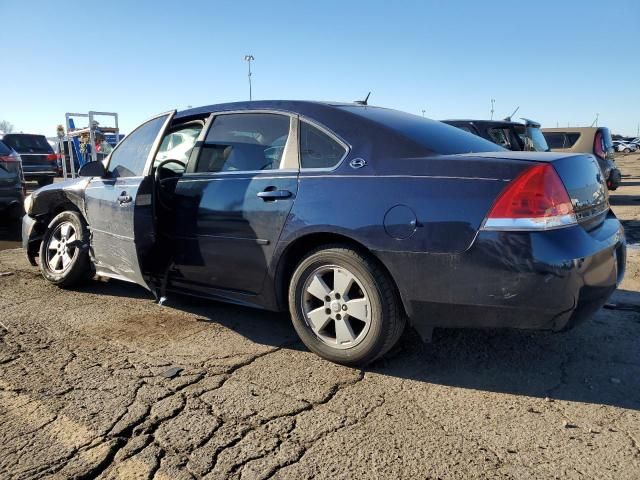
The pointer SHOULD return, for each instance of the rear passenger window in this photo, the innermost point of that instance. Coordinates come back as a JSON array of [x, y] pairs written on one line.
[[500, 136], [572, 138], [244, 142], [561, 139], [317, 149]]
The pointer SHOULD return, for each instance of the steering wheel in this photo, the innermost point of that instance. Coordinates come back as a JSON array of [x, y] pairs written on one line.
[[159, 177]]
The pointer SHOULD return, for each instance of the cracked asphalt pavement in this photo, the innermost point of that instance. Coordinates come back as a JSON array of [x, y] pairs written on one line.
[[87, 391]]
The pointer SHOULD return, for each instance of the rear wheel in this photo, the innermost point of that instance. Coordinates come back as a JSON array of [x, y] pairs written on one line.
[[64, 253], [627, 150], [344, 306]]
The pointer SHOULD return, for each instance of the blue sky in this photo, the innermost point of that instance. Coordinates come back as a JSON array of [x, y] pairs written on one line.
[[560, 61]]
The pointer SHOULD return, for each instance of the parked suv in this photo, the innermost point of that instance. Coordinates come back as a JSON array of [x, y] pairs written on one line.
[[39, 162], [11, 182], [594, 140], [510, 135]]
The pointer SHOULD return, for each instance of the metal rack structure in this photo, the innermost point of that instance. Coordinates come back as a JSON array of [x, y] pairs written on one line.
[[72, 139]]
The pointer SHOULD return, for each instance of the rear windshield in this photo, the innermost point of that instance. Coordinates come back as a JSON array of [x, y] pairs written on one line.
[[561, 139], [539, 142], [436, 136], [4, 150], [22, 143]]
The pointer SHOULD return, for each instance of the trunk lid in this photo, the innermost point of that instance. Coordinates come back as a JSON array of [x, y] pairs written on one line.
[[586, 186], [581, 176]]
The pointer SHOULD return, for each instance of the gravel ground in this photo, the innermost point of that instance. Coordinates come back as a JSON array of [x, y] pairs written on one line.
[[88, 388]]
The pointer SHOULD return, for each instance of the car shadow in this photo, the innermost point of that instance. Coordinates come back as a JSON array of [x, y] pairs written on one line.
[[619, 200], [597, 362]]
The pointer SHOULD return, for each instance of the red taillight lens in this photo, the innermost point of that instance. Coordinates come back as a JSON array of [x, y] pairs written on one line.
[[598, 147], [535, 200], [9, 158], [52, 157]]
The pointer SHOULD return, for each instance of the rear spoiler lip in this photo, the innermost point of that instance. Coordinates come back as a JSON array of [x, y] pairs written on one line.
[[538, 157]]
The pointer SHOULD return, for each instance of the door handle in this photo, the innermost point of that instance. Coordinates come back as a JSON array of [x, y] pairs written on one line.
[[124, 198], [270, 195]]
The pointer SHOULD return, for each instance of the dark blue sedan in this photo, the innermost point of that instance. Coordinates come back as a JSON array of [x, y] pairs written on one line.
[[354, 218]]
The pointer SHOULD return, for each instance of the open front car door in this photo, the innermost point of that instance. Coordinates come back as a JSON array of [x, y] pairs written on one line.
[[119, 205]]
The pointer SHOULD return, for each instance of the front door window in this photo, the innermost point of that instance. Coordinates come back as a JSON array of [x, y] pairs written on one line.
[[130, 157]]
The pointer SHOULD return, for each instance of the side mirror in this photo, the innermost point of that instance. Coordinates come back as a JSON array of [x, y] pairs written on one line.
[[92, 169]]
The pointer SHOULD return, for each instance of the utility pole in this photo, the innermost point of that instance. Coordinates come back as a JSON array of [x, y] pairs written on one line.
[[249, 58], [423, 111], [493, 101], [595, 122]]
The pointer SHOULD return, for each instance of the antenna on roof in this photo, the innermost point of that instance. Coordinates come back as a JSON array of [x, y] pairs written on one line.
[[508, 119], [363, 102]]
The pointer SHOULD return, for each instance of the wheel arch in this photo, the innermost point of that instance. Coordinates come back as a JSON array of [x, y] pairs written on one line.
[[46, 205], [301, 246]]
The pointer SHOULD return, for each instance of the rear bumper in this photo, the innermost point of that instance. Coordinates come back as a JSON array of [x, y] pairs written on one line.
[[39, 171], [544, 280], [40, 174]]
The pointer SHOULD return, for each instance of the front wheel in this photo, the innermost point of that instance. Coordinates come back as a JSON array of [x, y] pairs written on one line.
[[64, 252], [627, 150], [344, 306]]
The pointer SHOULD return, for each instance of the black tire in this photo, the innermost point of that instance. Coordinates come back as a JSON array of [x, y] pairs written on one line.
[[44, 181], [615, 179], [627, 150], [80, 269], [387, 320]]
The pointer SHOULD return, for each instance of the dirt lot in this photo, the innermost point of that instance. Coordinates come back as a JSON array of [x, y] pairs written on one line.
[[84, 390]]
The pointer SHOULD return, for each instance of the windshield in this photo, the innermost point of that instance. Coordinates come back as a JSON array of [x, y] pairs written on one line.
[[539, 142]]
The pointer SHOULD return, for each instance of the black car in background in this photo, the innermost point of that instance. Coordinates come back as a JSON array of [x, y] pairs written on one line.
[[11, 183], [514, 136], [39, 162], [354, 218]]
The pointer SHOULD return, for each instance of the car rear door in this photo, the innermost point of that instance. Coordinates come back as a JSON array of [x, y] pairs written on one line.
[[119, 208], [233, 201]]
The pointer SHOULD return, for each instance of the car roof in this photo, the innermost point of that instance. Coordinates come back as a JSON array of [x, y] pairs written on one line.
[[388, 129], [283, 105], [22, 134]]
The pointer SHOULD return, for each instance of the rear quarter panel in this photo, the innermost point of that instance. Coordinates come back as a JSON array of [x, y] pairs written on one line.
[[447, 196]]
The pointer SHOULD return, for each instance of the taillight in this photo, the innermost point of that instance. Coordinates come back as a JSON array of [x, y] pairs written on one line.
[[598, 148], [52, 157], [9, 158], [535, 200]]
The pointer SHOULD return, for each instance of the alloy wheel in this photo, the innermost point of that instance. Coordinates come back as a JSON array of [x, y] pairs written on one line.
[[61, 249], [336, 306]]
